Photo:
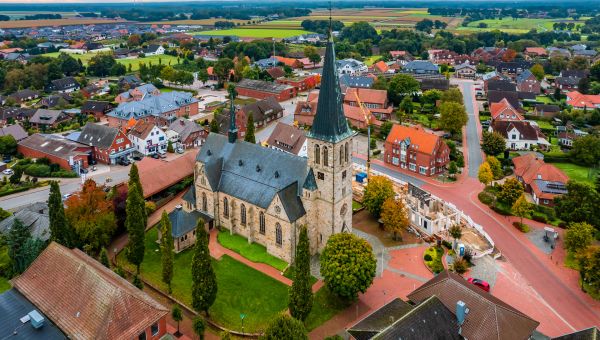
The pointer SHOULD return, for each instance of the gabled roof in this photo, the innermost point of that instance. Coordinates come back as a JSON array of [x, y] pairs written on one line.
[[54, 145], [415, 136], [264, 86], [14, 306], [503, 110], [501, 85], [184, 127], [43, 116], [421, 65], [182, 222], [531, 168], [34, 216], [141, 129], [366, 95], [276, 72], [86, 300], [157, 175], [524, 76], [64, 83], [95, 106], [525, 129], [287, 137], [577, 99], [98, 135], [356, 81], [14, 130], [488, 317], [592, 333], [262, 108], [497, 96]]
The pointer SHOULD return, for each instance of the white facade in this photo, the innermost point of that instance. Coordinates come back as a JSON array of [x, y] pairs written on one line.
[[516, 142], [155, 141], [160, 50], [352, 67]]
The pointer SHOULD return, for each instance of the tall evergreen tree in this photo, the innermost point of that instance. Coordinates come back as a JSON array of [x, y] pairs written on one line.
[[60, 230], [301, 297], [250, 138], [104, 258], [166, 249], [15, 240], [135, 222], [134, 179], [204, 286]]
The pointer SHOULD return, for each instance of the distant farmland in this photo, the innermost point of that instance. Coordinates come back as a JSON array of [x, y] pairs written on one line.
[[55, 22], [263, 32], [135, 62]]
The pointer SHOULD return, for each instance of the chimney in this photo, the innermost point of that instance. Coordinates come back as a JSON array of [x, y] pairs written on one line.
[[461, 312], [37, 320]]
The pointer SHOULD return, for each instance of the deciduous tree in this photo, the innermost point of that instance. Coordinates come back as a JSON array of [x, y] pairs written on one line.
[[579, 204], [452, 117], [579, 236], [493, 143], [521, 207], [510, 191], [538, 71], [177, 316], [394, 216], [452, 95], [456, 232], [301, 297], [204, 281], [104, 258], [348, 265], [586, 150], [378, 190], [485, 174], [285, 327], [166, 249], [495, 166], [401, 85]]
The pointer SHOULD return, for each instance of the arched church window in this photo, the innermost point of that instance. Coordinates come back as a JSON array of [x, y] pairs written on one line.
[[346, 153], [317, 154], [278, 236], [261, 223], [225, 207], [204, 202], [325, 156], [243, 214]]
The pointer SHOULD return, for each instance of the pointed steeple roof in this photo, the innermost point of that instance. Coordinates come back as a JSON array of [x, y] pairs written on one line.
[[330, 123]]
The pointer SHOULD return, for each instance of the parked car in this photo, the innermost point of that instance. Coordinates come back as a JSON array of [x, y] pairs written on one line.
[[162, 155], [137, 158], [155, 156], [179, 150], [83, 171], [8, 172], [124, 162], [7, 159], [480, 283], [66, 196]]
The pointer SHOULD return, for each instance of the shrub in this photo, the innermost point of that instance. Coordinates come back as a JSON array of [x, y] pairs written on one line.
[[460, 266], [64, 174], [546, 211], [501, 210], [447, 244], [38, 170], [486, 197], [376, 152], [538, 217], [427, 257], [150, 207], [562, 225], [521, 226]]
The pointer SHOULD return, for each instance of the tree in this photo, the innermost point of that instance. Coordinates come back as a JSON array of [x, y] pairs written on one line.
[[104, 258], [485, 174], [134, 40], [452, 168], [166, 249], [199, 326], [509, 55], [377, 191], [452, 117], [301, 297], [249, 137], [222, 69], [493, 143], [495, 166], [452, 95], [359, 32], [135, 223], [579, 204], [579, 236], [60, 230], [424, 25], [521, 207], [584, 85], [589, 267], [538, 71], [578, 63], [15, 178], [431, 96], [15, 241], [402, 85], [456, 232], [510, 191], [214, 126], [204, 281], [138, 282], [348, 265], [92, 216], [586, 150], [406, 105], [380, 83], [394, 216], [177, 316], [285, 327], [101, 64], [8, 145], [170, 148]]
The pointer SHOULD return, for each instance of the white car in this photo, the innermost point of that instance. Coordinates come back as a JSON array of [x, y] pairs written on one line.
[[66, 196], [8, 172]]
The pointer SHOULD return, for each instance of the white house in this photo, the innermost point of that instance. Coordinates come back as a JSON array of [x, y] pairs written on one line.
[[148, 138], [519, 135], [153, 50], [352, 67]]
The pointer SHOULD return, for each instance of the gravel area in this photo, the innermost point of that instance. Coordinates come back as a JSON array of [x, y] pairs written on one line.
[[536, 236], [485, 268]]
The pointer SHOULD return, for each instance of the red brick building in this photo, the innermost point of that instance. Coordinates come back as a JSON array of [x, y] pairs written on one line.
[[263, 89], [303, 83], [109, 144], [413, 148], [544, 181], [375, 101], [58, 150]]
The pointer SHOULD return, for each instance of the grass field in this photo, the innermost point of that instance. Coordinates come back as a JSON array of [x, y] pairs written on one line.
[[519, 25], [253, 252], [576, 172], [266, 32], [210, 21], [55, 22], [135, 63]]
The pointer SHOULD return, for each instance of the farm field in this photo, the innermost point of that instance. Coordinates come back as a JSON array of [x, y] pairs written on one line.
[[135, 63], [510, 25], [266, 32], [55, 22], [210, 21]]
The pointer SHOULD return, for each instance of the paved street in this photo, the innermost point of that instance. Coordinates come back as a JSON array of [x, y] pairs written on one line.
[[288, 118], [472, 129]]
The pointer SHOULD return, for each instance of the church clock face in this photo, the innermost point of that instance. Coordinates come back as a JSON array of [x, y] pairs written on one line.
[[344, 210], [277, 209]]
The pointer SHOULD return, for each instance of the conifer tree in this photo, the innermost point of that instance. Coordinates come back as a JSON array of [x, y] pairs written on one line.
[[166, 249], [60, 231], [104, 258], [250, 138], [301, 297], [135, 223], [204, 286], [134, 179]]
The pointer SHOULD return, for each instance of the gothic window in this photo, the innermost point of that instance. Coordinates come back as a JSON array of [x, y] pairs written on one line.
[[341, 154], [243, 214], [325, 156], [204, 202], [346, 153], [278, 236], [317, 154], [261, 222], [225, 207]]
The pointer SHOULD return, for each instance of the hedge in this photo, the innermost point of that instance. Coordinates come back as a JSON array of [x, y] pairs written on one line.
[[485, 197], [14, 191], [38, 170]]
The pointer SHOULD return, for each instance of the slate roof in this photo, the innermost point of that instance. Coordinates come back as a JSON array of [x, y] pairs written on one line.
[[17, 113], [95, 106], [547, 108], [101, 136], [527, 131], [287, 137], [417, 66], [14, 130], [14, 306], [497, 96], [356, 81], [190, 196], [184, 128], [574, 73], [112, 308], [488, 317], [263, 86], [261, 109], [55, 99], [380, 319], [524, 76], [253, 173], [501, 85], [47, 117], [54, 145], [329, 123], [34, 216], [182, 222], [65, 83], [152, 105], [151, 48]]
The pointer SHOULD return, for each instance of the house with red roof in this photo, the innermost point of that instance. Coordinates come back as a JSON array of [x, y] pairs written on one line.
[[381, 67], [536, 52], [415, 149], [291, 62], [582, 101], [544, 181], [375, 101], [504, 111]]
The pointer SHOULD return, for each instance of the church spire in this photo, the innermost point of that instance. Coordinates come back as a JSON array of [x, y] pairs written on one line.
[[330, 123], [233, 132]]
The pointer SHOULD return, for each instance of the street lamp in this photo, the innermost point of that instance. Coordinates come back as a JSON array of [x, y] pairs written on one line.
[[242, 316]]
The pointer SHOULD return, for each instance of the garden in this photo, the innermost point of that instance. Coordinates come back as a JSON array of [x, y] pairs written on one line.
[[433, 259]]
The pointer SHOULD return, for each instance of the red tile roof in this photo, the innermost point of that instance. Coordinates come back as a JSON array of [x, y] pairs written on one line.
[[530, 168], [85, 299], [579, 100], [504, 111], [381, 66], [157, 175], [536, 50], [366, 95], [419, 138]]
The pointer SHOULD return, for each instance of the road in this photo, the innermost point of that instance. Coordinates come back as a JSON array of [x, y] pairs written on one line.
[[474, 149], [117, 173], [289, 106]]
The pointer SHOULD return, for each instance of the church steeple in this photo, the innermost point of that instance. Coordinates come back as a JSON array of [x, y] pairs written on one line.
[[330, 123], [233, 132]]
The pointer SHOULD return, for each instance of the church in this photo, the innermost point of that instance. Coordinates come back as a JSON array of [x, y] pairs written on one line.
[[266, 195]]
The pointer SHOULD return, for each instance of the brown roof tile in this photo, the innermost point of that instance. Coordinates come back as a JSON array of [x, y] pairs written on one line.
[[157, 175]]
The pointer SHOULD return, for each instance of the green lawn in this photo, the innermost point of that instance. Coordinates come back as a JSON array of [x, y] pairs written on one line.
[[4, 285], [356, 205], [325, 306], [255, 32], [135, 63], [545, 100], [253, 252], [241, 289], [575, 172], [436, 254], [371, 60], [545, 125], [510, 25]]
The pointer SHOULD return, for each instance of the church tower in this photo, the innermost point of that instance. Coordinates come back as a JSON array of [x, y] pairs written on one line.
[[330, 160]]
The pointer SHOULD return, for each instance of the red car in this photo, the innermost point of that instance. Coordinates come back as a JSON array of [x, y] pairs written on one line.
[[480, 283]]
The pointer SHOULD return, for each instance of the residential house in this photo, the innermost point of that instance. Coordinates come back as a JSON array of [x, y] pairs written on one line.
[[263, 112], [519, 135], [9, 115], [465, 70], [109, 144], [153, 49], [488, 54], [535, 52], [64, 85], [276, 72], [499, 85], [380, 67], [22, 96], [147, 138], [14, 130], [98, 109], [504, 111], [352, 67], [589, 54], [54, 100], [94, 90], [260, 89], [527, 82], [401, 57], [138, 93], [376, 101], [307, 64], [559, 52], [513, 68], [583, 101], [129, 81], [420, 67], [511, 96], [567, 135], [306, 110], [112, 308], [44, 118], [291, 62], [301, 83], [188, 133], [34, 216], [288, 138], [546, 110], [567, 83], [544, 181], [413, 148], [57, 149]]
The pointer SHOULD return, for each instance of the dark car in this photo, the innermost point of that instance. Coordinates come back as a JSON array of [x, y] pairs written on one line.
[[7, 159], [480, 283], [137, 158], [155, 156], [124, 162], [83, 171]]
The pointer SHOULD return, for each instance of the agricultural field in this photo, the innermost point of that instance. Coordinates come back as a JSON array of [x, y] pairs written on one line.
[[56, 22], [519, 25], [15, 15], [266, 32], [208, 22], [135, 63]]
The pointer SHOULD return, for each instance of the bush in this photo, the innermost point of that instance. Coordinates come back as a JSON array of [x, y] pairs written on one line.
[[447, 244], [562, 225], [38, 170], [501, 210], [486, 197], [521, 226], [427, 257], [376, 152], [64, 174], [549, 212], [460, 266], [150, 207], [538, 217]]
